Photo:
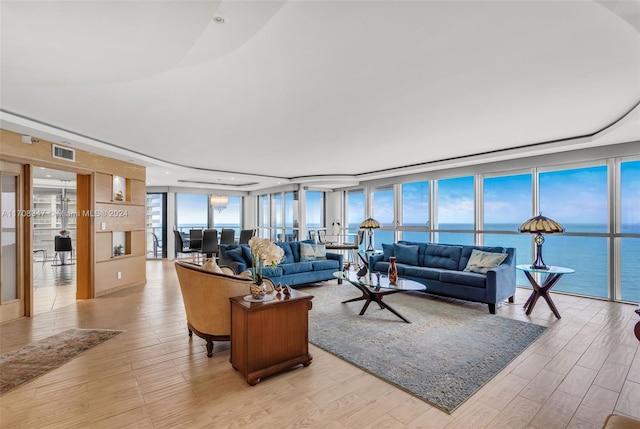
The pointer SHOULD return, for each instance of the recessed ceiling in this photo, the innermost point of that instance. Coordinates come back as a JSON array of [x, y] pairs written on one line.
[[321, 92]]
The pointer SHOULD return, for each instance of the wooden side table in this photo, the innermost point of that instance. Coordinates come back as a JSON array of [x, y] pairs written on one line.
[[269, 337]]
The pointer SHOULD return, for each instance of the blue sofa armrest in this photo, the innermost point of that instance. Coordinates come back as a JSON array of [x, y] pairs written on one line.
[[339, 258], [501, 280], [336, 256]]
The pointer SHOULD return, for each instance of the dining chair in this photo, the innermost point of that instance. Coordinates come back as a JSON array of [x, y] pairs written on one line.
[[210, 243], [62, 245], [156, 245], [245, 235], [228, 236], [179, 245]]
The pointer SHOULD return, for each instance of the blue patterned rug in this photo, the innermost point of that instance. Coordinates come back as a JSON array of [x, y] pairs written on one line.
[[444, 356]]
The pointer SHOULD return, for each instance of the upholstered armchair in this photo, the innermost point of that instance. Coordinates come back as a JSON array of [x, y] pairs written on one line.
[[206, 300]]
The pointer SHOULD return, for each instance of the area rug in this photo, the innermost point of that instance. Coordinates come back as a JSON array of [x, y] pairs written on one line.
[[20, 366], [446, 354]]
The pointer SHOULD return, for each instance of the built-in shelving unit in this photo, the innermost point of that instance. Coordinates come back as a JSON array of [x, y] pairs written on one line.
[[120, 231]]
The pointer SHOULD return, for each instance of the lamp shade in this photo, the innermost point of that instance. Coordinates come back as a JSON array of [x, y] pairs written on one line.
[[369, 223], [541, 224]]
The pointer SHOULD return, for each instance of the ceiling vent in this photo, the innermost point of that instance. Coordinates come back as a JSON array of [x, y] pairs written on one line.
[[61, 152]]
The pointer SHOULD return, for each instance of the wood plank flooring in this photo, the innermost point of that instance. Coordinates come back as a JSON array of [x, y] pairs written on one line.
[[585, 366]]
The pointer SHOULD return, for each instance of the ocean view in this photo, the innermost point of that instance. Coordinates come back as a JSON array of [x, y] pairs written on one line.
[[587, 255]]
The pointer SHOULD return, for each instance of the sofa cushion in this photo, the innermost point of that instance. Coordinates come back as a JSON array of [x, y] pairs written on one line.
[[236, 255], [288, 254], [297, 267], [246, 252], [442, 256], [387, 251], [481, 262], [383, 267], [423, 272], [326, 264], [466, 253], [462, 278], [272, 272], [406, 254]]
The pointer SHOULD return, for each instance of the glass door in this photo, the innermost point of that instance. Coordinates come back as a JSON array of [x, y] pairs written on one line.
[[156, 225], [11, 299]]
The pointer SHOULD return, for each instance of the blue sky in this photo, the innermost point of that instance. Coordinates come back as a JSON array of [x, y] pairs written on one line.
[[567, 196]]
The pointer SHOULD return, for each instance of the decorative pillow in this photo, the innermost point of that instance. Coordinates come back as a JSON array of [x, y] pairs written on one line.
[[481, 262], [406, 254], [211, 265], [307, 252], [312, 252], [247, 274], [387, 251], [235, 255], [321, 251]]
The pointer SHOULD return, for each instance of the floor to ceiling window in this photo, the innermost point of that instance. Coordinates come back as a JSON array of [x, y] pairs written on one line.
[[577, 199], [264, 216], [415, 211], [315, 209], [455, 208], [507, 202], [601, 242], [228, 216], [382, 210], [276, 216], [291, 209], [629, 227], [355, 209]]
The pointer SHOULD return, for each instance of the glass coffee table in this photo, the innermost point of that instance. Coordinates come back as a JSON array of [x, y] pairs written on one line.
[[374, 289]]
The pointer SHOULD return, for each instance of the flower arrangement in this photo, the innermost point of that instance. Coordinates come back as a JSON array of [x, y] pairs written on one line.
[[264, 252]]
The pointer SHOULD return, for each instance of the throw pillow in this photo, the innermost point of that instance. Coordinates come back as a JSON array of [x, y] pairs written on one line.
[[246, 274], [312, 252], [406, 254], [321, 251], [387, 251], [236, 255], [307, 252], [481, 262], [211, 265]]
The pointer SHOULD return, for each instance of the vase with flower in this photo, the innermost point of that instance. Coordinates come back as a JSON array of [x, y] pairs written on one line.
[[263, 253]]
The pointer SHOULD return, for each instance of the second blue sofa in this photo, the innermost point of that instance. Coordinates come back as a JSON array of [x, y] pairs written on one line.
[[292, 271]]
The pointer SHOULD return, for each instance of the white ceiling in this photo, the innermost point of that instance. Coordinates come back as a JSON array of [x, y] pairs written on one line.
[[326, 93]]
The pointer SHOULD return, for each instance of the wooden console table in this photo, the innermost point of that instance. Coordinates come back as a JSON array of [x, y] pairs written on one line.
[[269, 337]]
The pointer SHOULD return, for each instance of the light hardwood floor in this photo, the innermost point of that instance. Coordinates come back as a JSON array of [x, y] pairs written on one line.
[[585, 366]]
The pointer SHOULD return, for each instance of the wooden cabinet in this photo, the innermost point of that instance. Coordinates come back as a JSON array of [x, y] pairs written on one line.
[[269, 337]]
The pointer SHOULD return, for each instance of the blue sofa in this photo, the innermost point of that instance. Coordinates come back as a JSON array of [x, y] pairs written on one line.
[[291, 271], [441, 268]]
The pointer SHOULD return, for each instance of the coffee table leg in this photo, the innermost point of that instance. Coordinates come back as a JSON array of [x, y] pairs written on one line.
[[388, 307], [370, 295]]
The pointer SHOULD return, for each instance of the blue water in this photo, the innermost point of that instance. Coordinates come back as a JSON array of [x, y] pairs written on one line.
[[588, 256]]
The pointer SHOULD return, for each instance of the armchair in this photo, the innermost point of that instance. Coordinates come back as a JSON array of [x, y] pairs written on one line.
[[206, 300]]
